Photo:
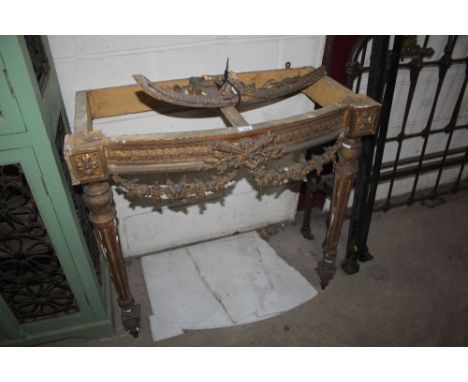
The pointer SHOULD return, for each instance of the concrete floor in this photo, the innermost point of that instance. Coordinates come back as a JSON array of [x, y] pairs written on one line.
[[414, 293]]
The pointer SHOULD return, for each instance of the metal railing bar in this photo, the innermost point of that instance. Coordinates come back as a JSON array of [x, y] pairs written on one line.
[[380, 138], [414, 75], [421, 196], [462, 167], [352, 67], [431, 132], [428, 157], [361, 64], [425, 167], [450, 128], [407, 65], [444, 64], [375, 90]]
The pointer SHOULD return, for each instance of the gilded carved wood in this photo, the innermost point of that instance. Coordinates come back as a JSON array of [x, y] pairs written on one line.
[[98, 198], [227, 90], [345, 171], [95, 159]]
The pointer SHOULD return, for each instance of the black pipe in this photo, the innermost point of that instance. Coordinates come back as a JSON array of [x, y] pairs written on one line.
[[375, 90], [380, 140]]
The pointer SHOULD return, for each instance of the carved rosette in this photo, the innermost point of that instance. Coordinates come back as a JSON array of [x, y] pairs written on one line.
[[88, 167], [362, 121], [85, 157]]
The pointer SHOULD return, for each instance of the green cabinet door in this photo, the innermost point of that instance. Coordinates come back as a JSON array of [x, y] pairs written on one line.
[[10, 117], [54, 282]]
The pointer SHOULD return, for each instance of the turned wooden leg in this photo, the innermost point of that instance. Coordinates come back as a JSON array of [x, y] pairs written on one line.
[[99, 200], [344, 176]]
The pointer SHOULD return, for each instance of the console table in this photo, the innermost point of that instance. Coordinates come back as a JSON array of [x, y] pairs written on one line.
[[95, 160]]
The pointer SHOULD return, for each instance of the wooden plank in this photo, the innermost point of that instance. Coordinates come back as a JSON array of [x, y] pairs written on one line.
[[233, 116], [109, 102], [83, 119], [150, 139], [327, 91]]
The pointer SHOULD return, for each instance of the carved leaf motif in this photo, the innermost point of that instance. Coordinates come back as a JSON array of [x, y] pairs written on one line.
[[87, 164], [296, 171], [175, 191]]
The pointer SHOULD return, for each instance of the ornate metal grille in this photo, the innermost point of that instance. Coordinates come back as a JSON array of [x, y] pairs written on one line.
[[416, 78], [77, 196], [39, 59], [32, 281], [417, 58]]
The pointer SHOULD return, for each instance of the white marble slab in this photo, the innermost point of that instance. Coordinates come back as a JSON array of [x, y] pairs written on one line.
[[178, 297], [225, 282]]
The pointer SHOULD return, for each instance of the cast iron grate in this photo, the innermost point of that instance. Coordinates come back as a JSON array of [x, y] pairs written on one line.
[[39, 60], [32, 281]]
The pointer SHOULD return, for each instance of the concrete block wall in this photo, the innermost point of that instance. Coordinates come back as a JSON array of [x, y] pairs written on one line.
[[87, 62]]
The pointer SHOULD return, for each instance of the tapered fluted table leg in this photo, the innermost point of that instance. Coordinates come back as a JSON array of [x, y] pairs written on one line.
[[344, 176], [99, 200]]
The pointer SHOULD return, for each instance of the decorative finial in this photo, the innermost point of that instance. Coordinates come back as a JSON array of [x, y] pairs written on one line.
[[226, 71]]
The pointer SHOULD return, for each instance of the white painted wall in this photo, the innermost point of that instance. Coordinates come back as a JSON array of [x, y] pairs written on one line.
[[87, 62]]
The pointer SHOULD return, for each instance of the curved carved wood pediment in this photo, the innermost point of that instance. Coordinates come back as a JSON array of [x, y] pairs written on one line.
[[216, 91]]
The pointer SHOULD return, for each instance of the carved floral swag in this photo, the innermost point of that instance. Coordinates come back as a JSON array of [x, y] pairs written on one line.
[[227, 160]]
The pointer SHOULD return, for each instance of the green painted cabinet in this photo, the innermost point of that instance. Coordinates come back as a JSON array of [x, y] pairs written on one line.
[[53, 280]]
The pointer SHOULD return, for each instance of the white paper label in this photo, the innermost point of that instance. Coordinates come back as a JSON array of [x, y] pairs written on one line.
[[244, 128]]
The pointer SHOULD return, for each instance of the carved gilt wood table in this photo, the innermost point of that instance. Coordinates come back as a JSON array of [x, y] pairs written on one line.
[[95, 160]]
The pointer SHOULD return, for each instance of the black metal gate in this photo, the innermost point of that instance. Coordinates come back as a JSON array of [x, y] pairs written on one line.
[[421, 149]]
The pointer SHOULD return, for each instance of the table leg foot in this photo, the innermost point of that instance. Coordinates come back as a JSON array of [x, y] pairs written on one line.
[[131, 316], [326, 270]]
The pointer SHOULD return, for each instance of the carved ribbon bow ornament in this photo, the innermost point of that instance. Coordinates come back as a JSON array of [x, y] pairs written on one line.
[[249, 153], [227, 159]]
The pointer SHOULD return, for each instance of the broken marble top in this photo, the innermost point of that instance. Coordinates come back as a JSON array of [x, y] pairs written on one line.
[[225, 282]]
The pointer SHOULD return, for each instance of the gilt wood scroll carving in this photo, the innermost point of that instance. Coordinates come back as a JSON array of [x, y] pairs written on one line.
[[95, 160]]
